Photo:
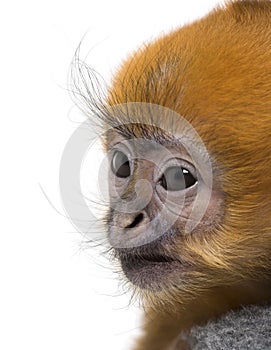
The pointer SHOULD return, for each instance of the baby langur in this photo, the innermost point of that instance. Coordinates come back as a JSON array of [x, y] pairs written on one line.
[[190, 171]]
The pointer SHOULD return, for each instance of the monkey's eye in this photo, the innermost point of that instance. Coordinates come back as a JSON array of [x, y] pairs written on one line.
[[120, 165], [176, 178]]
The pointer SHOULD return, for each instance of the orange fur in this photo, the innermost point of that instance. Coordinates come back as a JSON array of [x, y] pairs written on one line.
[[215, 72]]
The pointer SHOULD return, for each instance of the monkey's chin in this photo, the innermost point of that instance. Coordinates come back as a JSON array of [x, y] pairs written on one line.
[[153, 273]]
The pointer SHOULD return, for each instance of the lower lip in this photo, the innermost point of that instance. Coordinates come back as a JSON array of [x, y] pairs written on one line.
[[152, 275]]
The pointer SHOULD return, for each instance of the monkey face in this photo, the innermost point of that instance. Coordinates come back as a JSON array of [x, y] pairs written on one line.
[[159, 198]]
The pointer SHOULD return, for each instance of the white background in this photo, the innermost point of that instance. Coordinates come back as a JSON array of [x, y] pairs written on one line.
[[54, 294]]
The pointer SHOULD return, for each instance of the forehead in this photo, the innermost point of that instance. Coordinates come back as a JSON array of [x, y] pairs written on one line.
[[144, 139], [141, 131]]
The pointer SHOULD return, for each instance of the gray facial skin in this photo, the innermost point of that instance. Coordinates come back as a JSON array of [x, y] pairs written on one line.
[[154, 194]]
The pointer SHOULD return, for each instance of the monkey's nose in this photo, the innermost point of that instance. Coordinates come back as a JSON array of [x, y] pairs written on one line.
[[129, 220], [129, 229], [135, 221]]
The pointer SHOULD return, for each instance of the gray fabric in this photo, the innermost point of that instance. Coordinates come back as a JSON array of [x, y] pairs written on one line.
[[246, 329]]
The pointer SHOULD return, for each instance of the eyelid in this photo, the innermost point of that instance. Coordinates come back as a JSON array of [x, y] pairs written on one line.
[[120, 147], [179, 162]]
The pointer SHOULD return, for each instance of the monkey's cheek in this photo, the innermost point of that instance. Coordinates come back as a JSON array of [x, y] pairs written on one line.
[[153, 275]]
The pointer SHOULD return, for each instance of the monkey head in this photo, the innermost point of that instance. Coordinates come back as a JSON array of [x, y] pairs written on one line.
[[190, 162]]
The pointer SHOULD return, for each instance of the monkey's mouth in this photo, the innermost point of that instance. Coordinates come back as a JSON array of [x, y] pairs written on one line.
[[150, 271]]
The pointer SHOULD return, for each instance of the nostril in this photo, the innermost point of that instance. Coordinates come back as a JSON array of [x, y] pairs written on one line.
[[136, 221]]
